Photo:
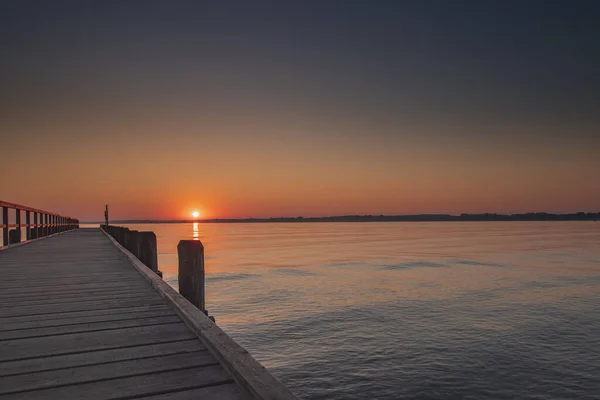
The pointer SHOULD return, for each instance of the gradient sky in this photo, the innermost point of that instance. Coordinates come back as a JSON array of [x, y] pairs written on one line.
[[290, 108]]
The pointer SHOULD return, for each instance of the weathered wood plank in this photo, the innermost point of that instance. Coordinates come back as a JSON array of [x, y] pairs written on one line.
[[22, 276], [54, 289], [151, 384], [64, 293], [88, 327], [62, 278], [92, 373], [79, 298], [76, 314], [79, 306], [229, 391], [91, 341], [65, 280], [86, 319], [99, 357]]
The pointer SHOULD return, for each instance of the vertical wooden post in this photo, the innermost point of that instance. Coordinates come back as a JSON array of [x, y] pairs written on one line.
[[126, 239], [5, 228], [28, 223], [191, 272], [45, 229], [33, 231], [35, 223], [134, 243], [18, 222], [148, 251]]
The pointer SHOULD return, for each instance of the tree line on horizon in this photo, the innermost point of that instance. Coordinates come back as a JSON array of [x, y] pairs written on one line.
[[538, 216]]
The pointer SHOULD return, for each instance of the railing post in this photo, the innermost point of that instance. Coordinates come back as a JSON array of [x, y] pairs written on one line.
[[34, 229], [17, 236], [38, 222], [191, 272], [5, 228], [28, 223]]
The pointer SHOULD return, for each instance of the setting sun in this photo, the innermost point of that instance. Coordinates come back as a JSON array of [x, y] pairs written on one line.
[[195, 214]]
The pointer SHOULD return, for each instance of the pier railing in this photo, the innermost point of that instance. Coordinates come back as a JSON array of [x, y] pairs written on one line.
[[42, 224]]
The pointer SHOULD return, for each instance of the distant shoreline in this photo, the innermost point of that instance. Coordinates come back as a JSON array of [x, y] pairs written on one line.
[[581, 216]]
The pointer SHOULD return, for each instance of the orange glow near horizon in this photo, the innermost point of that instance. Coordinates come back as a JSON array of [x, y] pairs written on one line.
[[196, 214], [306, 179]]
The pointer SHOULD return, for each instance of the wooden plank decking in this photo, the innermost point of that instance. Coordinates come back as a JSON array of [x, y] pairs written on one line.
[[77, 320]]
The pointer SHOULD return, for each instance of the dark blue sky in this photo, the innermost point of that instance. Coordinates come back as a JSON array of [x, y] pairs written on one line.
[[414, 58], [481, 84]]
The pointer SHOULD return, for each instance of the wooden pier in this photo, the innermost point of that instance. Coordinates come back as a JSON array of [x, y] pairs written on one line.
[[81, 317]]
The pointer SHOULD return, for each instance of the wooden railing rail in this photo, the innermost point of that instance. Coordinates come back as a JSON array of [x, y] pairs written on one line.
[[44, 223]]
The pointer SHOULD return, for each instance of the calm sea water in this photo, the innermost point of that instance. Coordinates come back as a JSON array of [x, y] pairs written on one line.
[[408, 310]]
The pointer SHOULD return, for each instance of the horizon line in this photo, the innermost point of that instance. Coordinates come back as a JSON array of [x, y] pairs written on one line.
[[368, 217]]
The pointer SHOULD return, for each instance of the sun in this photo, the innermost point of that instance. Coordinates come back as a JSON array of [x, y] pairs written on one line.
[[195, 214]]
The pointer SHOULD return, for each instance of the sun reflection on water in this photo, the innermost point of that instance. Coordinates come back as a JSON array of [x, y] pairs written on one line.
[[195, 234]]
